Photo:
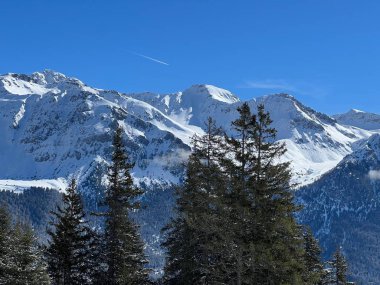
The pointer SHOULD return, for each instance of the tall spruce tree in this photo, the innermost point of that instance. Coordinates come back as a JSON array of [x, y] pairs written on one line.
[[195, 239], [124, 249], [69, 253], [270, 240], [235, 212], [314, 273], [239, 201]]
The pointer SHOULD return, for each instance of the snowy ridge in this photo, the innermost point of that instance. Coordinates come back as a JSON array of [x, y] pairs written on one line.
[[316, 142], [60, 126], [202, 91], [19, 186], [57, 126], [360, 119]]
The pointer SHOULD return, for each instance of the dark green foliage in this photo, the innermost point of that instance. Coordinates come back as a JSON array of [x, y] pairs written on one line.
[[195, 240], [124, 254], [5, 237], [71, 246], [270, 239], [235, 221], [314, 272], [21, 260], [338, 271]]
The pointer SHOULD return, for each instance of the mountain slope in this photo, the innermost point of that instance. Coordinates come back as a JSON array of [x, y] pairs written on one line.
[[315, 142], [53, 126], [343, 208], [64, 125], [360, 119]]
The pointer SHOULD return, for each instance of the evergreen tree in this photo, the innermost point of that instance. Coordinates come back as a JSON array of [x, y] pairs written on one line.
[[269, 246], [124, 254], [5, 236], [341, 267], [21, 259], [70, 249], [338, 271], [235, 212], [239, 199], [312, 256], [195, 239], [25, 264], [97, 259]]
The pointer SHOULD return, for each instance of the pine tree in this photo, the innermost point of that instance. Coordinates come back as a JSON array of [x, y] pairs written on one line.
[[269, 248], [123, 246], [239, 199], [339, 268], [195, 239], [235, 216], [97, 259], [70, 249], [312, 256]]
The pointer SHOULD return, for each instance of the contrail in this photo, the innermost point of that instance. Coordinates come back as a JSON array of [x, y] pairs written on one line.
[[150, 58]]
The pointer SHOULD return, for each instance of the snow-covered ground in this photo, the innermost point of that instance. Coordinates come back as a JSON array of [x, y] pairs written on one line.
[[59, 184]]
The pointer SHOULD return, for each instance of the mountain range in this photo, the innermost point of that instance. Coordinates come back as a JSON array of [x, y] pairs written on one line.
[[54, 127]]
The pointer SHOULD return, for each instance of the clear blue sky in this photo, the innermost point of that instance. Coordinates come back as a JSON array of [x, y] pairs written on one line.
[[325, 52]]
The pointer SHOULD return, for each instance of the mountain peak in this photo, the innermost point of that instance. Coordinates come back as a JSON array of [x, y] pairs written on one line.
[[48, 77], [354, 111], [36, 83], [216, 93], [280, 95], [359, 119]]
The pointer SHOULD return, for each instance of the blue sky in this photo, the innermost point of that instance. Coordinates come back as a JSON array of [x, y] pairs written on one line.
[[325, 52]]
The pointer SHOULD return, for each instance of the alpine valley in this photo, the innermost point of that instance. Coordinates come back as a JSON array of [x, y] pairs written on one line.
[[53, 127]]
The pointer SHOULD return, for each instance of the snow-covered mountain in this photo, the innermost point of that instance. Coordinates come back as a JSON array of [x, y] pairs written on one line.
[[315, 141], [360, 119], [53, 126], [343, 208]]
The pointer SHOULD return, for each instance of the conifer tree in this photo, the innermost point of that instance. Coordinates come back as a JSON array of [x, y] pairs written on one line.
[[240, 168], [97, 259], [196, 241], [124, 254], [25, 264], [312, 257], [21, 259], [341, 267], [235, 212], [69, 253], [338, 272], [269, 246], [5, 236]]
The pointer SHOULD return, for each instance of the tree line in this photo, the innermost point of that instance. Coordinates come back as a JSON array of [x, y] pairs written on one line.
[[234, 224]]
